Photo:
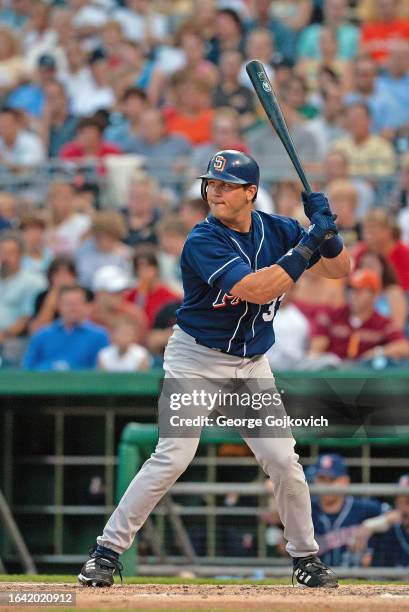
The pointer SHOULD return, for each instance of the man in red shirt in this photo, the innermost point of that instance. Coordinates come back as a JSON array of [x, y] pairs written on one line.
[[356, 330], [377, 36], [381, 235], [191, 114], [89, 144]]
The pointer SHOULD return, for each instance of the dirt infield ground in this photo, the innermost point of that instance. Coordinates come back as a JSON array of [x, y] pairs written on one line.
[[215, 598]]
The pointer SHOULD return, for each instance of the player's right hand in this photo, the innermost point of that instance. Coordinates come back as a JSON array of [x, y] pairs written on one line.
[[322, 226]]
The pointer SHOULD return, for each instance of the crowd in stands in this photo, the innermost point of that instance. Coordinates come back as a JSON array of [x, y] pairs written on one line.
[[117, 106]]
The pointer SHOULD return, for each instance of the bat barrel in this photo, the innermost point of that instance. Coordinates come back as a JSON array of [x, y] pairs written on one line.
[[268, 99]]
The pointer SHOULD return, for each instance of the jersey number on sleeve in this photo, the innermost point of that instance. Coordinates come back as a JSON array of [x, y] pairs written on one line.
[[270, 314]]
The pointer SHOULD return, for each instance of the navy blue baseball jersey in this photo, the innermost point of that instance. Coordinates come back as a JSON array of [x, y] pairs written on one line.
[[334, 531], [391, 549], [214, 259]]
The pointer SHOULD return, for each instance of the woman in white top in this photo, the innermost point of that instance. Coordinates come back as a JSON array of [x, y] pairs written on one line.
[[67, 227]]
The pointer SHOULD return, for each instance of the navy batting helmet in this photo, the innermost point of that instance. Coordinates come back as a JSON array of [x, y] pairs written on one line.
[[232, 167]]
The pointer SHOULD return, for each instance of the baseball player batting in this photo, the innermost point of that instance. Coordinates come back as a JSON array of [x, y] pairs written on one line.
[[236, 265]]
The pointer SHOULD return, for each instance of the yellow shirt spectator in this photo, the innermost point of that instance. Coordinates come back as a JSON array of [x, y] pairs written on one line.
[[368, 154]]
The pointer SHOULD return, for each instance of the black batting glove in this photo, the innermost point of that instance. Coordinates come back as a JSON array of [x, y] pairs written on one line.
[[321, 229], [315, 202]]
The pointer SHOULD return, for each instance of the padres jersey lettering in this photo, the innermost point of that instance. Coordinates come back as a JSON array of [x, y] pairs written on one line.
[[214, 259]]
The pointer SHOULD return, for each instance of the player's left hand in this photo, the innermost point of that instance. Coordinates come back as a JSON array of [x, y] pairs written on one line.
[[315, 202]]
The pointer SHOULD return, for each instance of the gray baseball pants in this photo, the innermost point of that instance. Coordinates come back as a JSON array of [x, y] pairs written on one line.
[[184, 358]]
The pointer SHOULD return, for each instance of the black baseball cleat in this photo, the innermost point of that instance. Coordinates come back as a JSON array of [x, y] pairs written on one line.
[[99, 570], [311, 572]]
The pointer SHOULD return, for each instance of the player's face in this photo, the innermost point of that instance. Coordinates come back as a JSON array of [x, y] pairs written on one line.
[[329, 499], [230, 203]]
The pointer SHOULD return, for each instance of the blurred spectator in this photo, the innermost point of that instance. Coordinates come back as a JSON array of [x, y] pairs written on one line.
[[15, 15], [57, 125], [327, 127], [111, 37], [296, 97], [267, 148], [67, 227], [37, 256], [126, 127], [385, 111], [19, 148], [63, 28], [336, 166], [86, 198], [377, 35], [18, 288], [230, 92], [191, 114], [390, 548], [150, 293], [287, 195], [93, 91], [161, 330], [77, 74], [225, 135], [263, 17], [394, 79], [295, 14], [88, 19], [392, 301], [315, 296], [141, 22], [89, 144], [228, 34], [381, 235], [143, 211], [399, 202], [8, 211], [165, 154], [369, 155], [344, 199], [38, 36], [123, 354], [259, 44], [12, 68], [193, 211], [335, 16], [104, 248], [357, 331], [311, 67], [70, 343], [138, 70], [292, 336], [172, 234], [338, 519], [29, 96], [110, 304], [191, 54], [60, 273]]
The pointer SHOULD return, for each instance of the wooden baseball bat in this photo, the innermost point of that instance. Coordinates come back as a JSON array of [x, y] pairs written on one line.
[[268, 99]]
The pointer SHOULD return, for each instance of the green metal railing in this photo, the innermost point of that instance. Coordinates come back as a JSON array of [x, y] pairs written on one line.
[[58, 429]]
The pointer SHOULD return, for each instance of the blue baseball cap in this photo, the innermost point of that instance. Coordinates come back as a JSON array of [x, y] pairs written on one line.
[[331, 465]]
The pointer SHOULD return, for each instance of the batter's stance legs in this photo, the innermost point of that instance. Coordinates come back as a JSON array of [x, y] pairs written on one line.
[[279, 461], [170, 459]]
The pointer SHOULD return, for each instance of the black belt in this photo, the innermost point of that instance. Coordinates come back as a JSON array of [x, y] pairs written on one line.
[[214, 348]]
